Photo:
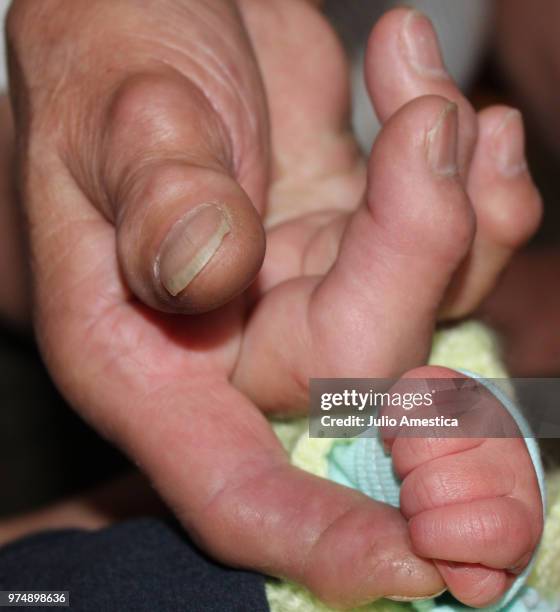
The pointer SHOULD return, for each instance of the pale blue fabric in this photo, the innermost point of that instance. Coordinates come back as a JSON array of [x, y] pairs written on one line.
[[361, 463]]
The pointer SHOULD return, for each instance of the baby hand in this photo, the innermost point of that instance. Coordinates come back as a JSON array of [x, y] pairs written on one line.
[[473, 505]]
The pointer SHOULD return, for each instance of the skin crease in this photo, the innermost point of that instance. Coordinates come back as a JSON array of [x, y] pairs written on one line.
[[175, 393]]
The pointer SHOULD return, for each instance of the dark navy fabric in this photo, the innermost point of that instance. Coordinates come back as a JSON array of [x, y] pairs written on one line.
[[141, 565]]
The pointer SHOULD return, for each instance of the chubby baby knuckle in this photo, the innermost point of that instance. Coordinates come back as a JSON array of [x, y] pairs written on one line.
[[422, 529], [405, 453], [421, 490], [409, 453]]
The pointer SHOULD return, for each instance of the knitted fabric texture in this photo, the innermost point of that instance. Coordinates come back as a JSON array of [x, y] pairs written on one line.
[[469, 346]]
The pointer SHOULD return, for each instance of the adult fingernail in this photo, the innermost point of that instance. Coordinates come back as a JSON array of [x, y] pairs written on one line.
[[190, 245], [404, 598], [421, 47], [509, 145], [441, 142]]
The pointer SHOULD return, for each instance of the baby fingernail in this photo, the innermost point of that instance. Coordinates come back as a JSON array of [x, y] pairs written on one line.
[[509, 145], [441, 142], [190, 245], [421, 47]]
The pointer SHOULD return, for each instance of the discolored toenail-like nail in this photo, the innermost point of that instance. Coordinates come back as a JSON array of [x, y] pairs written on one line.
[[441, 142], [420, 46], [508, 146], [190, 245]]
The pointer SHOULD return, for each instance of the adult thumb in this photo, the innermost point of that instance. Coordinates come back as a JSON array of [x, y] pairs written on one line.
[[188, 236]]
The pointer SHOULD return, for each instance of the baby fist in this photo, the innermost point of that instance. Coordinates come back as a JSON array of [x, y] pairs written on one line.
[[473, 505]]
